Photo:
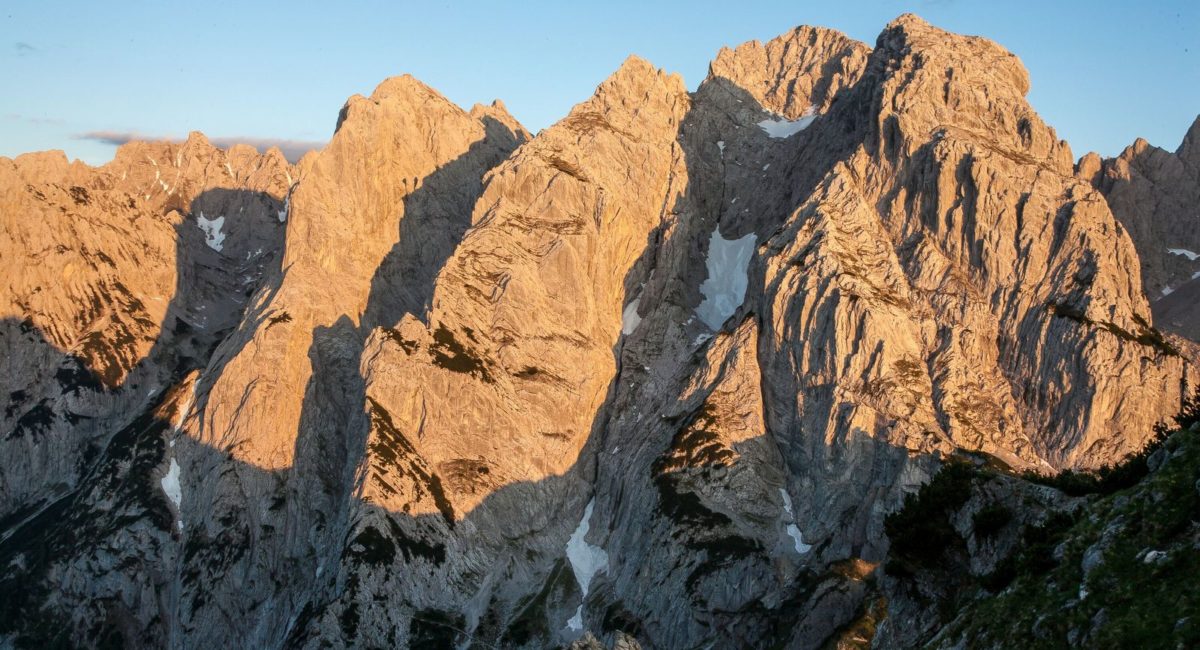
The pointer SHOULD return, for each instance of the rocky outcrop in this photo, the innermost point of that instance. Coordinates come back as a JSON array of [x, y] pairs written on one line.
[[1154, 194], [891, 328], [981, 558], [114, 277], [796, 74], [378, 211], [656, 375], [480, 407], [119, 282]]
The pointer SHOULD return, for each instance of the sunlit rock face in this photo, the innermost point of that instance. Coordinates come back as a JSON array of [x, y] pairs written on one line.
[[652, 377]]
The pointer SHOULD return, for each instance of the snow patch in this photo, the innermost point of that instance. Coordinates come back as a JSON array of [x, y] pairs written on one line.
[[766, 167], [586, 561], [725, 288], [172, 488], [702, 339], [630, 319], [576, 622], [212, 231], [783, 128], [283, 214], [1166, 291], [1185, 253], [793, 531], [229, 169], [721, 146]]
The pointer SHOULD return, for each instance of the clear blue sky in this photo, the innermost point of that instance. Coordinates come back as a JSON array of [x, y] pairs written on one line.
[[1103, 72]]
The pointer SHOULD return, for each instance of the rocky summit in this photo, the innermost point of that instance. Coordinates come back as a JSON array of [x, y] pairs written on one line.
[[683, 370]]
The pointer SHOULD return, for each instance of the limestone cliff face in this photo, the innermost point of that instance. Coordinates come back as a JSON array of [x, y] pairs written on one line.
[[113, 276], [795, 74], [655, 375], [527, 309], [958, 235], [479, 407], [379, 209], [344, 225], [119, 282], [1154, 194]]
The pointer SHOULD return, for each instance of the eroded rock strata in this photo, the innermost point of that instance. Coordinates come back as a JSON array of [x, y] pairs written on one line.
[[653, 377]]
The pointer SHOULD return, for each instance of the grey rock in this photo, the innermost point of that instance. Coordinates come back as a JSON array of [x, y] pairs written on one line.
[[1153, 192], [652, 378]]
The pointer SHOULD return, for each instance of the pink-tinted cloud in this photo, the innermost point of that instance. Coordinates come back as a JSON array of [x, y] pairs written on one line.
[[292, 149]]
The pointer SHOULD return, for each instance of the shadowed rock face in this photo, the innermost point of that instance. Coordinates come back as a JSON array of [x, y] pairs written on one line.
[[111, 266], [448, 341], [1154, 194]]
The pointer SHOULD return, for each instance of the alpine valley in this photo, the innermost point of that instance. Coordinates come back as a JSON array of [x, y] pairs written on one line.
[[844, 349]]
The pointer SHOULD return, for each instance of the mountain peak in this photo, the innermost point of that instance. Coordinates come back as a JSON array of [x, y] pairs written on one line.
[[403, 93], [910, 22], [794, 73], [1189, 149], [635, 70], [364, 399], [401, 85], [975, 55], [636, 98], [931, 83], [197, 138]]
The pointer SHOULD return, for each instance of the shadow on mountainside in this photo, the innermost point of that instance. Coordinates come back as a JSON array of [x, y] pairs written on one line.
[[334, 422], [108, 561], [108, 420], [437, 213], [88, 527], [414, 548]]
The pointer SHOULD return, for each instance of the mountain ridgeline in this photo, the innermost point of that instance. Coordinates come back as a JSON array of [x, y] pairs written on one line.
[[671, 373]]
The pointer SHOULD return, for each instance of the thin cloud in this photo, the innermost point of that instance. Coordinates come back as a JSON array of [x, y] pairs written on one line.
[[118, 138], [24, 49], [293, 150], [33, 120]]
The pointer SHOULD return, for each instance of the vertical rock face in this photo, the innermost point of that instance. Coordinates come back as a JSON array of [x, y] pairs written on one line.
[[655, 374], [479, 410], [970, 233], [527, 309], [344, 226], [378, 211], [118, 274], [1154, 194], [119, 280], [795, 74]]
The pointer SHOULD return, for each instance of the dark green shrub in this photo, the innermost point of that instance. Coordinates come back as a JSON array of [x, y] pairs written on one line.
[[990, 520], [920, 532]]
